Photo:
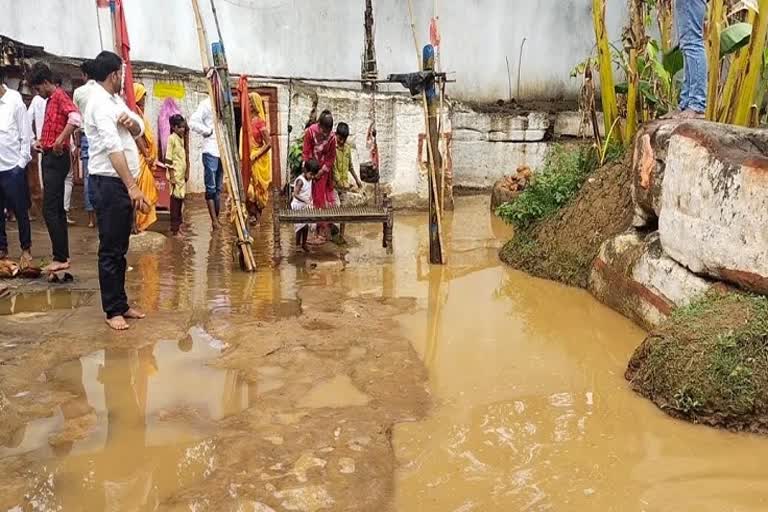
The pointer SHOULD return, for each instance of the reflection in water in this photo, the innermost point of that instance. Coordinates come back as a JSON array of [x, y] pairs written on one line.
[[133, 432], [44, 300]]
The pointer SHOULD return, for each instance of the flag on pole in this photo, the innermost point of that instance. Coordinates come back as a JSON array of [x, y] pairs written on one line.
[[434, 33], [123, 48]]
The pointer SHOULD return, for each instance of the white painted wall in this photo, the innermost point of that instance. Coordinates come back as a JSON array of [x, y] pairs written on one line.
[[315, 38]]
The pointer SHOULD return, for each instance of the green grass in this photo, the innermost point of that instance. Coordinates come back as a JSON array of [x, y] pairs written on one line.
[[709, 362], [564, 172]]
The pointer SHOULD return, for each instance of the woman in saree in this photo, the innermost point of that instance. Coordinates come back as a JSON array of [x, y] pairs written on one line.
[[147, 159], [260, 147]]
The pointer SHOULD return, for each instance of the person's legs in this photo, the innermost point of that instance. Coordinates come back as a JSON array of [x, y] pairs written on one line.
[[175, 214], [691, 15], [3, 205], [114, 216], [87, 195], [55, 170], [219, 185], [68, 184], [17, 200], [210, 167]]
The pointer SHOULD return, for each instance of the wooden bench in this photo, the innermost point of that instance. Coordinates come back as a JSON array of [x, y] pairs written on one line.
[[383, 214]]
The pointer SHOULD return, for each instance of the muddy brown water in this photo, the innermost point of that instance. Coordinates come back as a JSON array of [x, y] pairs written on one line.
[[529, 410]]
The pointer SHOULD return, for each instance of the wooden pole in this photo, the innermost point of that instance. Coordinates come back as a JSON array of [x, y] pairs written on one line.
[[239, 220], [436, 249]]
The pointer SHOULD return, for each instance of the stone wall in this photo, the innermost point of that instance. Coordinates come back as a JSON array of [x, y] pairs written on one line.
[[701, 199]]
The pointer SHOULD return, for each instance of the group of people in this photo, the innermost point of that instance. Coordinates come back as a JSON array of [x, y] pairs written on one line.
[[326, 168], [118, 154]]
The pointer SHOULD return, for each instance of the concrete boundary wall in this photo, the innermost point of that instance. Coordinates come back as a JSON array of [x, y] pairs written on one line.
[[479, 147]]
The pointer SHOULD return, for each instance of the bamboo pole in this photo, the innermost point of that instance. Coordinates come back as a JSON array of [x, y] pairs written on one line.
[[714, 29], [748, 91], [666, 23], [607, 84], [443, 161], [239, 219], [430, 156], [636, 43]]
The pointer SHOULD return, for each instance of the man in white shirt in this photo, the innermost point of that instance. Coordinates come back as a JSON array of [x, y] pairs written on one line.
[[80, 97], [113, 165], [36, 114], [15, 147], [202, 123]]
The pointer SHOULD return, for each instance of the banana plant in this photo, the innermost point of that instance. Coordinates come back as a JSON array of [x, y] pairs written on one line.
[[605, 65], [746, 104]]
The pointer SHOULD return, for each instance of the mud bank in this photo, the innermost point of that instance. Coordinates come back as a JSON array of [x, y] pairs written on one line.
[[707, 363], [563, 246]]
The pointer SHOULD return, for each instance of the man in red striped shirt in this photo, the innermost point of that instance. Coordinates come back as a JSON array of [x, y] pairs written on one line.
[[61, 120]]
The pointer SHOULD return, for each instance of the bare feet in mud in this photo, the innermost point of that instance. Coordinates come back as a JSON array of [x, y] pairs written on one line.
[[216, 226], [134, 314], [118, 323]]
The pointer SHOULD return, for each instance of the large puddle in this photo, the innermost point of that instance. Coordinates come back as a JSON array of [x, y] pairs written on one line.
[[531, 410]]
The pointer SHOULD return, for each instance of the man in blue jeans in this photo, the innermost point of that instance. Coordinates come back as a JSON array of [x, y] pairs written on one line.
[[15, 154], [202, 123], [690, 26]]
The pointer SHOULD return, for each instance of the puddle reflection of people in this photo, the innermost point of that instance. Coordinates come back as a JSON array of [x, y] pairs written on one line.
[[124, 465], [79, 416]]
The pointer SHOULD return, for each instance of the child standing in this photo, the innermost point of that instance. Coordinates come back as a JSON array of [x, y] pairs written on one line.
[[342, 168], [302, 199], [178, 171]]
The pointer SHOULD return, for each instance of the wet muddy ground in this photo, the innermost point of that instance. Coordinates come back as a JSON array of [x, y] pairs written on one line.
[[342, 381]]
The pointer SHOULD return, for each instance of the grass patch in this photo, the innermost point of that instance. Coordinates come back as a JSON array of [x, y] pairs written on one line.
[[709, 362], [567, 213], [564, 172]]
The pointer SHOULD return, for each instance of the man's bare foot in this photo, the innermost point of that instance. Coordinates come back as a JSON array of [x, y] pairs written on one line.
[[305, 247], [216, 225], [118, 323], [91, 225], [673, 114], [57, 266], [134, 314], [26, 260], [691, 114]]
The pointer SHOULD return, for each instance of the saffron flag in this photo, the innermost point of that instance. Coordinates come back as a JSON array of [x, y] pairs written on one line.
[[123, 47], [245, 131], [434, 33]]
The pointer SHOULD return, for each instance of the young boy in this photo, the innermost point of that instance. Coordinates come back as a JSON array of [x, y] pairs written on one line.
[[302, 199], [178, 171], [342, 168]]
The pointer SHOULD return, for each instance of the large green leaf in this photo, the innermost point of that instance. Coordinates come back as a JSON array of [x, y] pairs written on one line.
[[673, 61], [735, 37]]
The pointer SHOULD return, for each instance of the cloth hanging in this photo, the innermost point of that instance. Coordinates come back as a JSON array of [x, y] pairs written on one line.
[[168, 109]]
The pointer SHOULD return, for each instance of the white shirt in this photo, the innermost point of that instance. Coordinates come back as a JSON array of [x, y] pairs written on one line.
[[15, 131], [105, 136], [37, 114], [201, 123], [83, 93]]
